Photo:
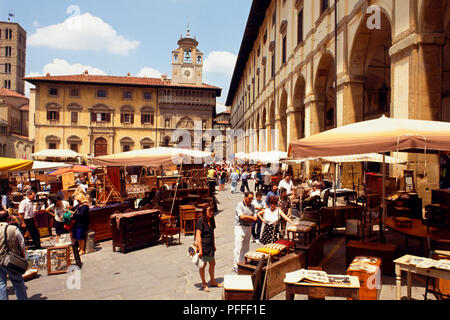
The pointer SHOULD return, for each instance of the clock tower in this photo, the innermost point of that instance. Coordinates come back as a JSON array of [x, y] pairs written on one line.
[[187, 62]]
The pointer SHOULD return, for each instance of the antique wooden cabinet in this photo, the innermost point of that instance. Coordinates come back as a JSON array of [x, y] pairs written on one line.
[[135, 229]]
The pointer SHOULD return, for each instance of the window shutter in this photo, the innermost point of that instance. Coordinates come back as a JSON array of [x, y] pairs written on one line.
[[93, 117], [122, 118], [132, 118], [108, 117], [48, 115], [142, 119], [57, 116]]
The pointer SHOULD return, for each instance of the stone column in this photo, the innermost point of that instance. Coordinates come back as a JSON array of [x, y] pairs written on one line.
[[314, 115], [294, 125], [269, 137], [351, 109]]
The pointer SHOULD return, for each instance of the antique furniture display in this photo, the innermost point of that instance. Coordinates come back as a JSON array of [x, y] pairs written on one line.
[[169, 229], [321, 290], [374, 184], [336, 216], [276, 272], [58, 259], [438, 212], [368, 271], [43, 223], [418, 231], [440, 288], [313, 250], [135, 229], [403, 264], [99, 219], [386, 252], [187, 218]]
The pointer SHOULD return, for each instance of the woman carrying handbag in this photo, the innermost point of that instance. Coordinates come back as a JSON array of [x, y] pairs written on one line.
[[81, 219], [206, 243], [272, 219]]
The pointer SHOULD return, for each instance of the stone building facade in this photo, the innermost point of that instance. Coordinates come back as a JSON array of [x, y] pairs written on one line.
[[14, 142], [100, 115], [13, 46], [293, 79]]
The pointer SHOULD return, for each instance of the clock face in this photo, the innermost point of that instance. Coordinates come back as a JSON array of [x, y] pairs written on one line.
[[187, 73]]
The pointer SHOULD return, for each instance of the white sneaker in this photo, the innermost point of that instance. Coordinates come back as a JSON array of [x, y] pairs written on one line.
[[253, 240], [257, 241]]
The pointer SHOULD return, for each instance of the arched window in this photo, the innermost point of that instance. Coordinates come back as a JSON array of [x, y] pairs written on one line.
[[127, 144]]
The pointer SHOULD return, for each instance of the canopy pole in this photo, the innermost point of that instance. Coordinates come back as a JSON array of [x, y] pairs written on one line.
[[383, 195], [176, 187], [335, 184]]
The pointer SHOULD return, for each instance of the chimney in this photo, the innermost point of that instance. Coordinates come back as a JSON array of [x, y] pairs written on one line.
[[48, 74], [128, 74], [86, 72], [164, 77]]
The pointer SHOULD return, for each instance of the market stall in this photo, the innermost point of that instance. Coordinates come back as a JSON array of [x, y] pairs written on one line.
[[381, 135], [162, 178]]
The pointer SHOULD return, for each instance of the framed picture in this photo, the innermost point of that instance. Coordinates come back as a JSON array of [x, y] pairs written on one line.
[[58, 259], [409, 181]]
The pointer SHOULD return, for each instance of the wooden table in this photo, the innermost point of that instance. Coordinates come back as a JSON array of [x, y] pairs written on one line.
[[402, 264], [419, 231], [324, 290]]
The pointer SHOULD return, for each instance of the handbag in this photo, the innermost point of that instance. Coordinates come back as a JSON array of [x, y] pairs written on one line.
[[68, 221], [11, 261]]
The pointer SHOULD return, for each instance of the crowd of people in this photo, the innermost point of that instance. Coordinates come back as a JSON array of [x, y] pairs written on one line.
[[257, 219], [70, 217]]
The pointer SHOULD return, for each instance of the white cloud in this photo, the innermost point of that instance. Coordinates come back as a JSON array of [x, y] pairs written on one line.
[[220, 107], [83, 32], [59, 67], [149, 73], [220, 62]]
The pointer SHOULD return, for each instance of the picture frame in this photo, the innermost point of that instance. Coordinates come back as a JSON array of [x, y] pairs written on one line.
[[58, 259], [409, 181]]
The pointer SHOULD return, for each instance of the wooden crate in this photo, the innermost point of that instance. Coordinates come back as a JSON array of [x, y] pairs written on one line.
[[313, 251], [387, 252], [370, 282], [277, 272]]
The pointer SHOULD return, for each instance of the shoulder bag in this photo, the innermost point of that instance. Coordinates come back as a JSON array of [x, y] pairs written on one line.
[[11, 261]]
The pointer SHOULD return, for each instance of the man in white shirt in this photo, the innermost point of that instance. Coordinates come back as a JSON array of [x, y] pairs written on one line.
[[245, 216], [26, 213], [287, 184]]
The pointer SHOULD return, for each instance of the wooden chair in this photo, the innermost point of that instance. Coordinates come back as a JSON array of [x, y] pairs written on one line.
[[168, 228]]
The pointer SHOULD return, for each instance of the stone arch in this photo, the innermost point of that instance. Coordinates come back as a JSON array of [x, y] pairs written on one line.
[[369, 89], [74, 143], [299, 108], [432, 16], [185, 123], [147, 143], [324, 90]]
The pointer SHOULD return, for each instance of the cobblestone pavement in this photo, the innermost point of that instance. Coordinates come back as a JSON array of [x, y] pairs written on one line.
[[161, 273]]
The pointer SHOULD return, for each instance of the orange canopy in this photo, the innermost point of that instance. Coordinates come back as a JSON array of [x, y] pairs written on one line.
[[380, 135], [74, 169]]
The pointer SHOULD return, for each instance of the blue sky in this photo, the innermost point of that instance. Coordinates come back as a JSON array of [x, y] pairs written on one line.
[[136, 36]]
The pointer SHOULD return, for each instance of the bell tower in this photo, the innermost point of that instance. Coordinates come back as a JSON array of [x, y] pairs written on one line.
[[187, 61]]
